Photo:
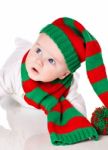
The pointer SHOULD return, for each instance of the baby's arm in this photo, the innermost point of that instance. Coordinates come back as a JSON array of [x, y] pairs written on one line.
[[4, 90], [74, 97], [9, 73]]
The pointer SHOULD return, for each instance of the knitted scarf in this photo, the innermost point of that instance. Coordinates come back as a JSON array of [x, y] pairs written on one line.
[[66, 125]]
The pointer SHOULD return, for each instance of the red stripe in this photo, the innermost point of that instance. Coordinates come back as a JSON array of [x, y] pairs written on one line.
[[56, 89], [75, 40], [79, 26], [24, 58], [60, 92], [93, 48], [104, 98], [34, 104], [62, 106], [73, 124], [31, 102], [66, 92], [97, 74], [106, 119], [29, 85]]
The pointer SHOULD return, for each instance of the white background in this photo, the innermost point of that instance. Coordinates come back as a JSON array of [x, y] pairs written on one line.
[[25, 18]]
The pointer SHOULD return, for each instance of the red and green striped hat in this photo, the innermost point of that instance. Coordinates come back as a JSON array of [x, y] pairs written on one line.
[[78, 45]]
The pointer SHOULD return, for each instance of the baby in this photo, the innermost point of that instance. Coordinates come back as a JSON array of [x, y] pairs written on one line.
[[43, 76], [44, 63]]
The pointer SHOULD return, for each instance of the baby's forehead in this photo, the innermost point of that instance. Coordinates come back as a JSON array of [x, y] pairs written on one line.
[[48, 45]]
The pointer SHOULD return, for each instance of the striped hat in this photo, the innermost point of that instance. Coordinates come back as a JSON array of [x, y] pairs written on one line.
[[78, 45]]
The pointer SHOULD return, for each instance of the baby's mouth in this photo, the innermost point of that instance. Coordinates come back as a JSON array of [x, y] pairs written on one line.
[[35, 69]]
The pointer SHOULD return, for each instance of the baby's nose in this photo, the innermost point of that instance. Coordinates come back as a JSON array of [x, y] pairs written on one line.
[[39, 62]]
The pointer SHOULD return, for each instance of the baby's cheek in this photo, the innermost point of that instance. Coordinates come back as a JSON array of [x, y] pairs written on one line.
[[48, 76], [31, 56]]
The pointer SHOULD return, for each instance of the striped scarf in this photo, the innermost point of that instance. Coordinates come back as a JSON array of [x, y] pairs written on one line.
[[66, 125]]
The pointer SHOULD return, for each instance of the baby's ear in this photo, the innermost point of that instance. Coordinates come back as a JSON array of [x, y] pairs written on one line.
[[64, 75]]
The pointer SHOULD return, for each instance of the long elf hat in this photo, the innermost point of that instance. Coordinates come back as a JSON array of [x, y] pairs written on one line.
[[78, 45]]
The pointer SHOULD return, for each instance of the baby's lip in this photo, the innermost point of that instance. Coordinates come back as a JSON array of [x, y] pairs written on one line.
[[35, 69]]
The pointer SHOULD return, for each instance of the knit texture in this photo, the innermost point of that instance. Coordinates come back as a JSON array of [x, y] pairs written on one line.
[[66, 125], [78, 45], [99, 120]]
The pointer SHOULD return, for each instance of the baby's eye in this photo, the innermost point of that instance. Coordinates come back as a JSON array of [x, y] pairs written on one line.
[[52, 61], [38, 51]]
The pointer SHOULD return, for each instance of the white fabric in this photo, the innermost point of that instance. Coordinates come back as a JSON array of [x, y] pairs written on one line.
[[24, 120]]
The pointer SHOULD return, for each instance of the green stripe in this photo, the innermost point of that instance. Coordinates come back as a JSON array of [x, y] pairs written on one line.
[[24, 73], [65, 82], [62, 98], [94, 61], [70, 22], [41, 97], [101, 86], [87, 36], [75, 136], [37, 94], [49, 102], [66, 116]]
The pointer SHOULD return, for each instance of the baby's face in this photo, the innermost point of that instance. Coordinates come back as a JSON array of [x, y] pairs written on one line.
[[44, 61]]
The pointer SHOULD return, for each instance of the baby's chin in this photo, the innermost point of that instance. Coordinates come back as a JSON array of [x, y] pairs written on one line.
[[41, 80], [34, 78]]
